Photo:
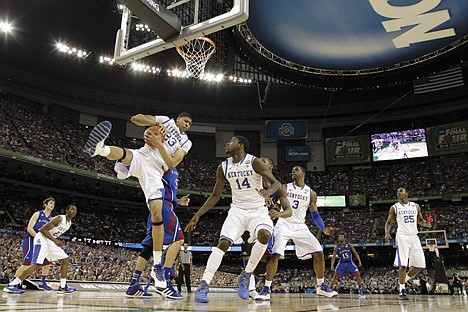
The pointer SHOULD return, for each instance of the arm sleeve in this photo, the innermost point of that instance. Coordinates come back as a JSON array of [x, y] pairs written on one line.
[[317, 219]]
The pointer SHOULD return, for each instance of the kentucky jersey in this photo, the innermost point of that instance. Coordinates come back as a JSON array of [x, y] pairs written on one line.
[[60, 228], [244, 181], [344, 253], [170, 180], [175, 139], [41, 221], [299, 199], [407, 218]]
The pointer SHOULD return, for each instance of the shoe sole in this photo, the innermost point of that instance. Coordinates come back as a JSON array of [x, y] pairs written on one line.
[[201, 301], [45, 289], [327, 296], [99, 133], [12, 292], [139, 297], [162, 293]]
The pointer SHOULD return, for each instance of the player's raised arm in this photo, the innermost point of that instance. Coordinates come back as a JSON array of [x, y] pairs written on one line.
[[211, 201], [261, 168], [388, 225], [144, 120]]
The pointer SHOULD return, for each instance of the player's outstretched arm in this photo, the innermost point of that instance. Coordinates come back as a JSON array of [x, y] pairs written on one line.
[[211, 201], [388, 225]]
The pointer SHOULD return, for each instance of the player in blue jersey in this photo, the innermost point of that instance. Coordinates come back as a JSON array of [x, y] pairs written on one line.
[[245, 173], [37, 220], [148, 165], [409, 252], [173, 236], [345, 251]]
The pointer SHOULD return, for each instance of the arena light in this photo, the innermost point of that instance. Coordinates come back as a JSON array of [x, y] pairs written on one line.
[[235, 79], [6, 27], [72, 51], [106, 60], [145, 68]]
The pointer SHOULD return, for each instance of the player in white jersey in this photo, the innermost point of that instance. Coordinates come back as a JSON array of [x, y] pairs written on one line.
[[47, 245], [248, 212], [148, 165], [409, 252], [301, 199]]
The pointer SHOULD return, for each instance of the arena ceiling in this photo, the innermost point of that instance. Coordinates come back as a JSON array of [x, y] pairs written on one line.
[[328, 44]]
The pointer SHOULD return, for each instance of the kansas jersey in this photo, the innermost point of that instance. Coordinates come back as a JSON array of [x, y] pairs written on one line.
[[299, 199], [60, 228], [41, 221], [344, 253], [407, 218], [170, 180], [175, 139], [244, 181]]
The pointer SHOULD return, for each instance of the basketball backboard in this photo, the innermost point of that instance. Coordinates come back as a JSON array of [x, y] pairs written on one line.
[[437, 238], [199, 18]]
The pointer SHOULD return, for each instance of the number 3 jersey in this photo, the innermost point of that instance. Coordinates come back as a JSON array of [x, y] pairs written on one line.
[[407, 218], [244, 182], [299, 199]]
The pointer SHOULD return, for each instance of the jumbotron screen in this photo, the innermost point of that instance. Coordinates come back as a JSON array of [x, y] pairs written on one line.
[[331, 201], [399, 145]]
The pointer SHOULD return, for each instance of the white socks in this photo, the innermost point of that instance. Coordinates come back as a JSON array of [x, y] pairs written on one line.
[[157, 256], [258, 249], [63, 282], [103, 151], [214, 261], [268, 283], [252, 283], [320, 281]]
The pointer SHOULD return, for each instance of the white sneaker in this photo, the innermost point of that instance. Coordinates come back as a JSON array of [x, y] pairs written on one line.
[[264, 294], [157, 273], [326, 291], [253, 294], [96, 139]]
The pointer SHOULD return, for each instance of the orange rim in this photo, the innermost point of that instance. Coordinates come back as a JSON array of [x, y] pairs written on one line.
[[182, 53]]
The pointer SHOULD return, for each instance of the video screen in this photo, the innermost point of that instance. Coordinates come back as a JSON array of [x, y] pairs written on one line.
[[399, 145], [331, 201]]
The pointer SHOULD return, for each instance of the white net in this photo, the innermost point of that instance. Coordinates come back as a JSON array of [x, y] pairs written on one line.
[[196, 53]]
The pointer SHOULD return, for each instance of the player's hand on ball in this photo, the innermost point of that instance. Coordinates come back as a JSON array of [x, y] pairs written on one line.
[[328, 230]]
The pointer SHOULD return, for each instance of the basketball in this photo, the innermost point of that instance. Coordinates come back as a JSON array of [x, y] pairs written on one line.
[[158, 131]]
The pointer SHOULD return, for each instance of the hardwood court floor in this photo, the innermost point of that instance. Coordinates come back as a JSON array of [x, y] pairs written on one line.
[[115, 301]]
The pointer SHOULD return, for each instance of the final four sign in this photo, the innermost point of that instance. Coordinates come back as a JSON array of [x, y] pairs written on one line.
[[448, 139], [348, 150]]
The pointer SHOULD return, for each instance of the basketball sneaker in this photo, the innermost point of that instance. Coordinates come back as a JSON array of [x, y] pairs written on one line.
[[13, 289], [157, 273], [326, 291], [135, 291], [244, 281], [264, 294], [201, 294], [403, 295], [361, 292], [44, 286], [169, 292], [96, 139], [65, 290], [253, 293]]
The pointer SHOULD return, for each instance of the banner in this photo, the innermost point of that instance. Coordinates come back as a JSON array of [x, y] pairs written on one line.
[[285, 129], [447, 139], [297, 153], [347, 150]]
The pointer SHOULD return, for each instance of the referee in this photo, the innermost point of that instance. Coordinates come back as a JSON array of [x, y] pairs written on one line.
[[185, 258]]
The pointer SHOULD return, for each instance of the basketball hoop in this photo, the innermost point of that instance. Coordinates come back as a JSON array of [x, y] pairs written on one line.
[[196, 53]]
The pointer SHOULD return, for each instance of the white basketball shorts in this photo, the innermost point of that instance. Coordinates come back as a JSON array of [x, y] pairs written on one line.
[[240, 220], [409, 252], [306, 243], [45, 248]]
